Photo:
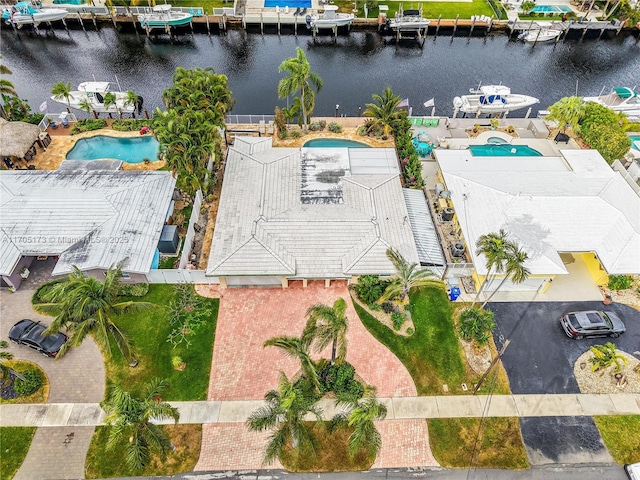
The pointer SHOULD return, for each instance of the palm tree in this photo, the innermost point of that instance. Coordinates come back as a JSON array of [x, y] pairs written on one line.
[[84, 305], [4, 356], [299, 348], [62, 90], [6, 90], [361, 417], [86, 106], [284, 412], [384, 112], [514, 268], [110, 99], [132, 99], [302, 79], [408, 277], [327, 325], [130, 417], [494, 247], [606, 355], [567, 111]]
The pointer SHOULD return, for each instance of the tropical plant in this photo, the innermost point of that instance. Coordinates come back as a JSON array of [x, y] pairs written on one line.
[[131, 417], [61, 90], [340, 379], [109, 100], [567, 111], [328, 325], [362, 416], [610, 140], [408, 277], [132, 99], [298, 348], [300, 79], [514, 268], [284, 413], [605, 356], [476, 324], [384, 112], [370, 288], [86, 106], [4, 357], [187, 313], [527, 6], [620, 282], [494, 247], [27, 383], [84, 305]]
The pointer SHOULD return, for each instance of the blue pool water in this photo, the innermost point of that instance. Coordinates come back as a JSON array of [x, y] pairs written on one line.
[[334, 143], [130, 150], [503, 150], [287, 3], [635, 142], [551, 9]]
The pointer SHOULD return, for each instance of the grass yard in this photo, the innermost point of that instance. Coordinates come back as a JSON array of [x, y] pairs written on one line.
[[149, 330], [331, 453], [15, 443], [499, 444], [431, 10], [103, 463], [621, 435]]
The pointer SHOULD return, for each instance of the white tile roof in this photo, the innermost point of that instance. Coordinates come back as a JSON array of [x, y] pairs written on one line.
[[91, 219], [572, 203], [264, 228]]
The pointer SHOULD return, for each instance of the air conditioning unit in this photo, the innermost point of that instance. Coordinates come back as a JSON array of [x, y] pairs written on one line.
[[447, 214], [457, 249]]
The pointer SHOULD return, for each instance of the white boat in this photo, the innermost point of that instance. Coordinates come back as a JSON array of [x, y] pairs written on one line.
[[161, 16], [25, 13], [408, 20], [330, 18], [94, 93], [626, 100], [492, 99], [540, 35]]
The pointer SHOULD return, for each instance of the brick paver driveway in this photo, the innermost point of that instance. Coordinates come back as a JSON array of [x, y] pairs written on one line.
[[243, 370]]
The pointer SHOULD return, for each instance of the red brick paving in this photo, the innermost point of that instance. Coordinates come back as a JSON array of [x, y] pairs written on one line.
[[405, 443]]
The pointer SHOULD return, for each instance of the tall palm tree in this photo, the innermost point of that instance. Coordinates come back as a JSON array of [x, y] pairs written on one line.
[[494, 247], [62, 90], [409, 276], [514, 268], [130, 418], [86, 106], [361, 417], [109, 100], [284, 412], [301, 79], [84, 305], [298, 348], [328, 325], [384, 112], [567, 111], [132, 99]]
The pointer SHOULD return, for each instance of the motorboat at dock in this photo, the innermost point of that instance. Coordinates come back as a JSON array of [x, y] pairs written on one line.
[[162, 16], [330, 18], [492, 99], [26, 13], [409, 20], [92, 95], [621, 99]]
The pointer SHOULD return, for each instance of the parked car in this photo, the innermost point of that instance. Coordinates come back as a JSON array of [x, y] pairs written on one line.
[[633, 471], [592, 323], [29, 333]]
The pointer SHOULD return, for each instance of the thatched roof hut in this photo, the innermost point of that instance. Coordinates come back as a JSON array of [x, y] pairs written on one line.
[[17, 138]]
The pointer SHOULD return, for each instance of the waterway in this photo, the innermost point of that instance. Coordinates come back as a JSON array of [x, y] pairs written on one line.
[[357, 65]]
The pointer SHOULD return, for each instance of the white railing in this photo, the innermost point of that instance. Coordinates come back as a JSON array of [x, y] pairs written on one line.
[[457, 270], [195, 11], [191, 231], [249, 119], [84, 9], [181, 276]]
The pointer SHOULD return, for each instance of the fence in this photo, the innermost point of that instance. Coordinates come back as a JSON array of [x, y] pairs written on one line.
[[185, 258], [248, 119], [88, 9], [181, 276], [457, 270]]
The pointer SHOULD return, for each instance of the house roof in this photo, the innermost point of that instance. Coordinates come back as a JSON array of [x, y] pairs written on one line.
[[92, 219], [571, 203], [305, 213]]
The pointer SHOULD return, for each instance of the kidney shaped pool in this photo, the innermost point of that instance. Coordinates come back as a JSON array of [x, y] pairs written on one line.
[[127, 149]]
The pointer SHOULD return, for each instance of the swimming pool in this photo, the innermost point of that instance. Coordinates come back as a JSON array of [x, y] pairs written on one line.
[[130, 150], [503, 150], [287, 3], [635, 141], [551, 9], [334, 143]]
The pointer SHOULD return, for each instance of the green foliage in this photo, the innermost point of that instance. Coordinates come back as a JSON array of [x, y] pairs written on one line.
[[567, 111], [88, 125], [408, 277], [594, 113], [631, 127], [609, 140], [476, 324], [187, 313], [15, 108], [621, 436], [410, 331], [371, 4], [370, 288], [133, 289], [32, 382], [130, 124], [43, 290], [317, 126], [387, 307], [300, 79], [34, 118], [280, 121], [15, 443], [605, 356], [340, 379], [409, 159], [334, 127], [296, 134], [620, 282], [398, 320], [527, 6]]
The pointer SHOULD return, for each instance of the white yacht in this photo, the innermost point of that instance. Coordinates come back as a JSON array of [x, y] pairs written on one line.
[[540, 35], [162, 16], [492, 99], [25, 13], [94, 93], [621, 99], [408, 20], [330, 18]]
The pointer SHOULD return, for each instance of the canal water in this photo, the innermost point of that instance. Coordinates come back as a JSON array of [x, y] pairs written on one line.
[[353, 68]]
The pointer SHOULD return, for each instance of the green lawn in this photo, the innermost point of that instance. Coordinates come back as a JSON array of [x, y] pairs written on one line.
[[149, 330], [621, 435], [497, 441], [15, 442], [431, 10]]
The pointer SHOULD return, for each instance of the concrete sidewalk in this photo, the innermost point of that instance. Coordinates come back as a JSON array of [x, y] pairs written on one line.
[[399, 408]]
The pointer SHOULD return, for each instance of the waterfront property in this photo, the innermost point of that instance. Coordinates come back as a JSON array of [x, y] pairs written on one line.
[[311, 213], [127, 149], [92, 219]]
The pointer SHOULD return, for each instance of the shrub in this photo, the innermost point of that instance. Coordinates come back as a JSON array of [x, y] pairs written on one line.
[[133, 289], [34, 118], [334, 127], [283, 134], [620, 282], [387, 307], [88, 125], [340, 379], [605, 356], [130, 124], [187, 312], [323, 124], [476, 324], [409, 331], [370, 288], [296, 134], [398, 320], [32, 382], [176, 361], [314, 126]]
